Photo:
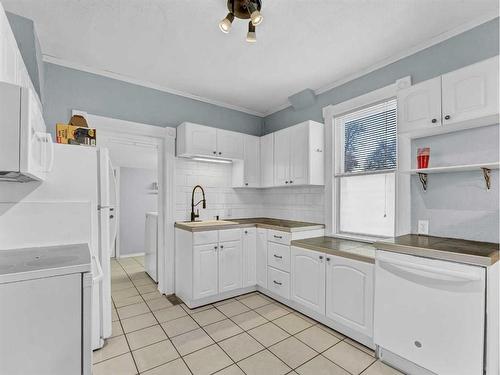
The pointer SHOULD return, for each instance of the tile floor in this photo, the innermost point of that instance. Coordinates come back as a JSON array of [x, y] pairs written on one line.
[[251, 334]]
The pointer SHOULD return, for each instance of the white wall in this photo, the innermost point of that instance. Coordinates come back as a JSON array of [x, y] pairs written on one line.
[[136, 198]]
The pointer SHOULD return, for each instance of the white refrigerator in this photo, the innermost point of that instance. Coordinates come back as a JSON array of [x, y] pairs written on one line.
[[74, 204]]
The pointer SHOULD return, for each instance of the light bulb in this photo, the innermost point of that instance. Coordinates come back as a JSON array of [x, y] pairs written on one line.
[[251, 35], [226, 23], [255, 15]]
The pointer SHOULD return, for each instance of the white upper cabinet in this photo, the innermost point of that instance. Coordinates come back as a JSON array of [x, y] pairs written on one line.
[[308, 279], [246, 172], [349, 293], [267, 160], [465, 98], [196, 140], [419, 106], [229, 144], [298, 155], [471, 92]]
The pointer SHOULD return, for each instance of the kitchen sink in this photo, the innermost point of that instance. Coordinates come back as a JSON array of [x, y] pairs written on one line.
[[205, 223]]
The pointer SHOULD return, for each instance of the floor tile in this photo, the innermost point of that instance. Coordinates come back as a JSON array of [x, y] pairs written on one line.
[[146, 336], [147, 288], [151, 295], [272, 311], [348, 357], [128, 301], [125, 293], [132, 310], [320, 366], [159, 303], [268, 334], [141, 282], [114, 315], [232, 308], [154, 355], [331, 331], [122, 365], [197, 309], [169, 313], [231, 370], [207, 361], [113, 347], [360, 347], [224, 301], [179, 326], [138, 322], [121, 286], [175, 367], [116, 328], [255, 301], [317, 338], [379, 368], [293, 352], [249, 320], [191, 341], [209, 316], [222, 330], [292, 323], [240, 346], [262, 363]]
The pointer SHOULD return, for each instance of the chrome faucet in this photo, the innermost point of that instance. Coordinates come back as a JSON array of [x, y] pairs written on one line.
[[197, 214]]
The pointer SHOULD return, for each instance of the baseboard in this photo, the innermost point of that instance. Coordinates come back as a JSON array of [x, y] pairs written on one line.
[[131, 255]]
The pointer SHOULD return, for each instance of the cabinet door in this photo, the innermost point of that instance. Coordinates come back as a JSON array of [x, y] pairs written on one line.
[[308, 279], [229, 266], [261, 257], [249, 249], [267, 160], [349, 293], [299, 155], [471, 92], [201, 140], [419, 106], [205, 270], [251, 174], [282, 157], [229, 144]]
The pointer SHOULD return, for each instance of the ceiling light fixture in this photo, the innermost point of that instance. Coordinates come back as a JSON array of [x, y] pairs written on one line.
[[243, 9]]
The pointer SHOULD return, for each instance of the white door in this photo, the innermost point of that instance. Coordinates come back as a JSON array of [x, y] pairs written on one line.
[[282, 157], [308, 279], [349, 293], [299, 154], [267, 160], [471, 92], [249, 249], [261, 257], [205, 270], [201, 140], [229, 144], [419, 106], [229, 266], [251, 175]]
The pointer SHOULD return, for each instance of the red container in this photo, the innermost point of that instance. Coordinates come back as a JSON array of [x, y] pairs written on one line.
[[423, 155]]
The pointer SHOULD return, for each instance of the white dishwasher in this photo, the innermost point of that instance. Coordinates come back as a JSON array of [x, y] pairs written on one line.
[[431, 313]]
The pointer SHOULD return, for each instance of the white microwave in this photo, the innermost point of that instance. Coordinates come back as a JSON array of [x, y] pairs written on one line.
[[26, 149]]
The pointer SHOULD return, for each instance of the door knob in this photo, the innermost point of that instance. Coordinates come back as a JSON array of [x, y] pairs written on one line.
[[447, 117], [321, 257], [434, 120]]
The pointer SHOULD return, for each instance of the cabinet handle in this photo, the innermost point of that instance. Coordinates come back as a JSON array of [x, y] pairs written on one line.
[[286, 182], [246, 183], [246, 232], [278, 256], [447, 117], [327, 259], [279, 237], [221, 246], [319, 150], [215, 152], [291, 181], [277, 282], [216, 247], [111, 216], [220, 153], [434, 120], [321, 257]]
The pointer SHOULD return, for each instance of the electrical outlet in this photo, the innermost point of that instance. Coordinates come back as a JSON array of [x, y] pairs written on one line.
[[229, 212], [423, 227]]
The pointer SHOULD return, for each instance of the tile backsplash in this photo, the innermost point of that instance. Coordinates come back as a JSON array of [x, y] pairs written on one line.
[[292, 203]]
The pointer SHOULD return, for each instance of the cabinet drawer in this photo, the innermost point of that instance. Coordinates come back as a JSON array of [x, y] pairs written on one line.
[[278, 236], [278, 256], [203, 238], [278, 282], [230, 235]]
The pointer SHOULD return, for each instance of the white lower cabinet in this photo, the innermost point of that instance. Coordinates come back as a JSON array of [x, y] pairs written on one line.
[[308, 279], [205, 270], [261, 257], [229, 266], [278, 282], [349, 293], [249, 253]]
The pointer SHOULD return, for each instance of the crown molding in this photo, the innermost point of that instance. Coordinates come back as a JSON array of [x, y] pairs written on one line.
[[399, 56], [135, 81]]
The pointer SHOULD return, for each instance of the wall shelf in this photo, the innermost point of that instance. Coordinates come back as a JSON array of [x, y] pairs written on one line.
[[484, 167]]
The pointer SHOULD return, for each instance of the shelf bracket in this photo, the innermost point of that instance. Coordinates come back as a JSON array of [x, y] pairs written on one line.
[[487, 177], [423, 180]]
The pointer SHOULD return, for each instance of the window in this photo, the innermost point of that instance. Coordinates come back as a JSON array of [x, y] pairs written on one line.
[[366, 159]]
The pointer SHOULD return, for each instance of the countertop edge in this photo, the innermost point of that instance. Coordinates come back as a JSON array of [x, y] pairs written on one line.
[[343, 254], [248, 225]]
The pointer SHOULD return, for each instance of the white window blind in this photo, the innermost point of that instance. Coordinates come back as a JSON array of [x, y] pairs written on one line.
[[368, 138]]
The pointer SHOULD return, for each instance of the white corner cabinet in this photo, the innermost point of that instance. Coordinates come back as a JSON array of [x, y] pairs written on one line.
[[267, 160], [194, 140], [462, 99], [298, 155]]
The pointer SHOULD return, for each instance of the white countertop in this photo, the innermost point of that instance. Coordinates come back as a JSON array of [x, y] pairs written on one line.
[[37, 262]]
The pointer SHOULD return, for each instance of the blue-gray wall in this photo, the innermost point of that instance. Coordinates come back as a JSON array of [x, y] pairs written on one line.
[[27, 41], [464, 49], [67, 89]]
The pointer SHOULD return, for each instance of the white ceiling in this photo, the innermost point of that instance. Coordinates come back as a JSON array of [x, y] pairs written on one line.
[[176, 44]]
